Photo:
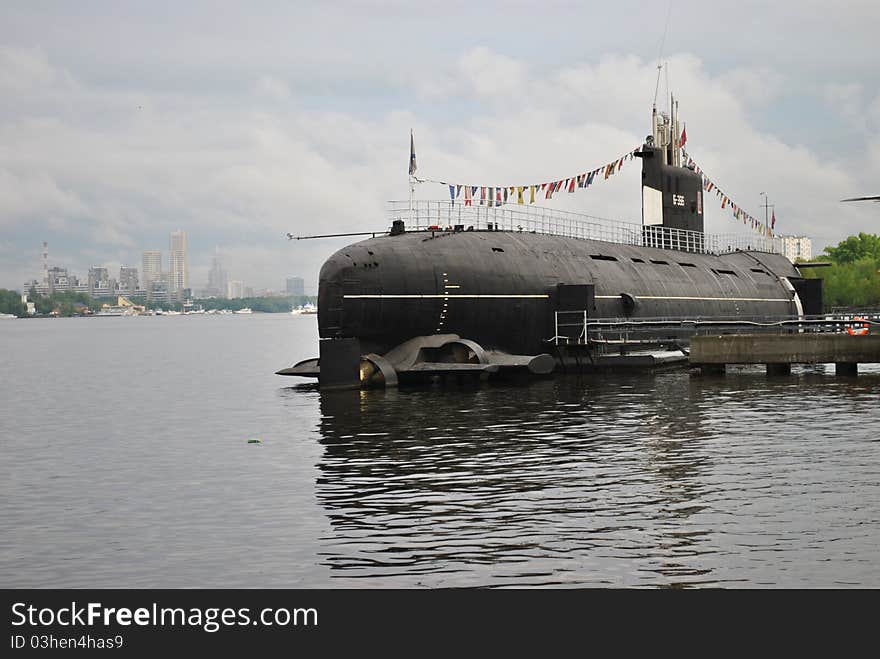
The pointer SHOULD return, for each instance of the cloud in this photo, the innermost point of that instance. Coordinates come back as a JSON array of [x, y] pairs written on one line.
[[109, 168], [274, 88], [845, 99], [28, 194], [758, 85], [26, 69]]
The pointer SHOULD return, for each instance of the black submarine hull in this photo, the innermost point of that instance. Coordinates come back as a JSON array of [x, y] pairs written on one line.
[[456, 301], [501, 288]]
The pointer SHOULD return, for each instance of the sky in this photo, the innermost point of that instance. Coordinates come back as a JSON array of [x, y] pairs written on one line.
[[239, 122]]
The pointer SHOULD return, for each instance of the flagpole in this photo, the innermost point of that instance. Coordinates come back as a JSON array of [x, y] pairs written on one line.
[[766, 206], [412, 172]]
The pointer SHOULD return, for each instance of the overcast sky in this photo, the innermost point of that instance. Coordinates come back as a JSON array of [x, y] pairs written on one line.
[[237, 122]]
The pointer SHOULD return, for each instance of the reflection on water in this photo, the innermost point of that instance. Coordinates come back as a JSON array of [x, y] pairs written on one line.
[[145, 477], [625, 480]]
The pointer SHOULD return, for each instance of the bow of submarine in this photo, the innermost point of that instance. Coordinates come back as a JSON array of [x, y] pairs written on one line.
[[378, 293]]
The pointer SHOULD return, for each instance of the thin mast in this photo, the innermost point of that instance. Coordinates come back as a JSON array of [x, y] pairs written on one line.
[[412, 171]]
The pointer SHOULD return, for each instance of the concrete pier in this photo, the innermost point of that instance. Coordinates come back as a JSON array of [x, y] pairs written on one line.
[[779, 351]]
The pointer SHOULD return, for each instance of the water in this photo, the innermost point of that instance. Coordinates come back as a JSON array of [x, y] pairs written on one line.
[[126, 463]]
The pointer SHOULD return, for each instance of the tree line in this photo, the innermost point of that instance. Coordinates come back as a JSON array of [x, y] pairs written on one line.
[[853, 278], [69, 303], [64, 303]]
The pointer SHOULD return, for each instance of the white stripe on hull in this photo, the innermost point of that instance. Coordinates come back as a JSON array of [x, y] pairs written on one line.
[[444, 296], [702, 299], [441, 296]]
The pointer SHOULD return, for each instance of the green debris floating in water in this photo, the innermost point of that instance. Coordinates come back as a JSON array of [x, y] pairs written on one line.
[[255, 440]]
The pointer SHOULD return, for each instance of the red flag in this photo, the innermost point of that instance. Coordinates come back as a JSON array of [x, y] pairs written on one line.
[[571, 185], [773, 219], [684, 137]]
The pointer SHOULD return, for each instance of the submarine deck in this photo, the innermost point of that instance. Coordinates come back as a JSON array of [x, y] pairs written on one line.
[[428, 215]]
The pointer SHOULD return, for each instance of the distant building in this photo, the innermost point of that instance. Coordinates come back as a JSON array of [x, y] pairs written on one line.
[[217, 278], [151, 268], [269, 292], [157, 290], [45, 257], [235, 290], [178, 266], [249, 291], [797, 247], [30, 306], [296, 286], [128, 280], [99, 282], [59, 280]]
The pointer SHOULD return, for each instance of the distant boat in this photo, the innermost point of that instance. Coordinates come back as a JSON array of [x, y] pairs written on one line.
[[306, 308], [244, 310], [115, 311], [7, 315]]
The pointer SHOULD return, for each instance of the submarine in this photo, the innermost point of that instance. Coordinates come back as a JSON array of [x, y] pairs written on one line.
[[453, 290]]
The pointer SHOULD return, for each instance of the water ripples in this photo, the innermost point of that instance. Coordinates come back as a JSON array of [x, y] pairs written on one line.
[[139, 474], [662, 480]]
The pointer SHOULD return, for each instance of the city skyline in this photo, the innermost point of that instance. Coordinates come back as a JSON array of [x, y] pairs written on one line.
[[197, 270], [153, 280]]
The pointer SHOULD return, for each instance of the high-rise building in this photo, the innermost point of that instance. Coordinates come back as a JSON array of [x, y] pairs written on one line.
[[157, 290], [45, 264], [797, 247], [128, 279], [295, 286], [99, 281], [151, 267], [234, 290], [59, 279], [217, 278], [177, 266]]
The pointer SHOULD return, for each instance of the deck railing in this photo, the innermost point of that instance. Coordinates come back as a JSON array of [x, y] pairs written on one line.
[[536, 219], [576, 328]]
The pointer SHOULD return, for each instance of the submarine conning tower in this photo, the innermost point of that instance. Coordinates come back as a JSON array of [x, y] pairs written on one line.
[[672, 194]]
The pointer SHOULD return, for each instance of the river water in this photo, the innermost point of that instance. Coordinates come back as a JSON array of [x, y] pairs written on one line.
[[126, 463]]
